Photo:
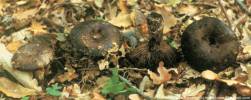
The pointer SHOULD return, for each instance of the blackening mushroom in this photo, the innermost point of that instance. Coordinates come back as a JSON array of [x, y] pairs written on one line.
[[36, 54], [150, 53], [95, 37], [209, 44]]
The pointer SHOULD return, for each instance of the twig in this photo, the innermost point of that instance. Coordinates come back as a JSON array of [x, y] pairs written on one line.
[[224, 11], [243, 7]]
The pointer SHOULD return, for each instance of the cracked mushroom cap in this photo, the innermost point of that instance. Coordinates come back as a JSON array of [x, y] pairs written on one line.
[[209, 44], [95, 37]]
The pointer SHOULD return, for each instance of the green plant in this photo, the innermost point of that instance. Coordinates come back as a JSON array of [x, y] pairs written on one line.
[[25, 98], [54, 90], [115, 86]]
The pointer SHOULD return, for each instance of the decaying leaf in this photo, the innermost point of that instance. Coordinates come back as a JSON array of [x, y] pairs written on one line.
[[25, 14], [134, 97], [67, 76], [169, 19], [103, 64], [75, 91], [164, 74], [14, 90], [122, 20], [25, 78], [145, 83], [37, 28], [187, 9], [161, 95], [97, 96], [194, 91]]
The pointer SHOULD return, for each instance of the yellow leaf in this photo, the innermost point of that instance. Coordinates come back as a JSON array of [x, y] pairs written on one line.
[[169, 19], [37, 28], [14, 45], [25, 14], [14, 90], [122, 20]]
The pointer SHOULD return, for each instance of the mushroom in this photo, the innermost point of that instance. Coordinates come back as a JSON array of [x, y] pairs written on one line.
[[95, 38], [34, 55], [209, 44], [149, 54]]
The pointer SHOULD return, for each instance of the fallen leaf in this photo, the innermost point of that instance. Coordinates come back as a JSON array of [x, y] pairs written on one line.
[[25, 14], [134, 97], [164, 74], [14, 45], [193, 92], [210, 75], [243, 90], [97, 96], [75, 91], [25, 78], [14, 90], [169, 19], [161, 95], [2, 6], [103, 64], [122, 20], [37, 28], [145, 83], [67, 76], [189, 10]]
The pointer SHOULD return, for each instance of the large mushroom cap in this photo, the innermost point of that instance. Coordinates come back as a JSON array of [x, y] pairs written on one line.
[[209, 44], [34, 55], [95, 36]]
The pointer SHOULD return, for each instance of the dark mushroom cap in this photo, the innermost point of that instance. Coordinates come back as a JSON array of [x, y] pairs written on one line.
[[209, 44], [34, 55], [95, 37]]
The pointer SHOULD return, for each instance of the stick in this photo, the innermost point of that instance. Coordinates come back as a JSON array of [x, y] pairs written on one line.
[[224, 11], [243, 7]]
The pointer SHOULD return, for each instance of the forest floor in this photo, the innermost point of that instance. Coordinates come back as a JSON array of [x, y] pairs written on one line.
[[82, 78]]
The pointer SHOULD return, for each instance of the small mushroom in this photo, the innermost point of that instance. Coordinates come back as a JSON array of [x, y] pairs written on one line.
[[34, 55], [209, 44], [149, 54], [95, 37]]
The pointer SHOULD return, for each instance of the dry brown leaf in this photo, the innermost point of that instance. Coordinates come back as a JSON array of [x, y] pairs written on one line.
[[164, 74], [25, 14], [169, 19], [187, 9], [75, 91], [14, 90], [243, 90], [2, 6], [37, 28], [14, 45], [134, 97], [67, 76], [122, 20], [194, 92], [97, 96], [160, 94]]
